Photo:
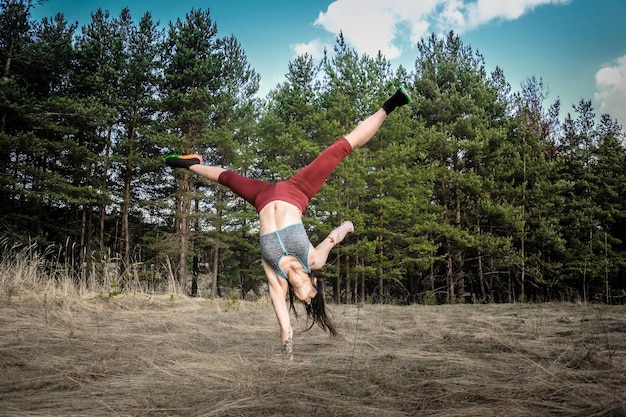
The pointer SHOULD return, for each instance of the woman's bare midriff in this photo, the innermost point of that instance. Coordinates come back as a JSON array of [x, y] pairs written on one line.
[[278, 214]]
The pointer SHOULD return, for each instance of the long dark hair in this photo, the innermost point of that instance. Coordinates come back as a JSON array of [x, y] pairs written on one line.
[[316, 311]]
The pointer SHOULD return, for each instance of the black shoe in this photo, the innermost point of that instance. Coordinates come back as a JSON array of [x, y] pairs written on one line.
[[403, 92], [399, 99], [182, 161]]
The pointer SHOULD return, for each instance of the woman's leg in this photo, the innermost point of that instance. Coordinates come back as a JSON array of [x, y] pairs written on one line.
[[368, 127], [246, 188], [365, 130], [193, 162], [211, 173], [311, 178]]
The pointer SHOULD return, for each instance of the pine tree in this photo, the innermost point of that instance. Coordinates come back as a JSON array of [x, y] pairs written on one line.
[[134, 147], [192, 76], [232, 143], [208, 108], [350, 96], [37, 132], [456, 99], [92, 105], [534, 192], [608, 174], [579, 218], [15, 127]]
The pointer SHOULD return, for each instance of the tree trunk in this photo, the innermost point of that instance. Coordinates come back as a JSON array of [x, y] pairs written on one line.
[[432, 277], [103, 184], [363, 281], [184, 208], [194, 276], [125, 232], [379, 240], [481, 278], [355, 287], [125, 238], [82, 258], [450, 275], [523, 240], [460, 261], [348, 297], [459, 277], [481, 273], [215, 290], [337, 286]]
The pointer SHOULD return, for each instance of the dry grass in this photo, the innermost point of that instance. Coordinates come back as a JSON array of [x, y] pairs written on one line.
[[65, 352]]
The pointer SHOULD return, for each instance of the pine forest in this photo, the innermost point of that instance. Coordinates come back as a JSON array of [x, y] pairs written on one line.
[[476, 192]]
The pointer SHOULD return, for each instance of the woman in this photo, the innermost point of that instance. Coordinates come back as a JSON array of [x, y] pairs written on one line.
[[289, 258]]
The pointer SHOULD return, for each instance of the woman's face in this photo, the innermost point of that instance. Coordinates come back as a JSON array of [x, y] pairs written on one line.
[[304, 286]]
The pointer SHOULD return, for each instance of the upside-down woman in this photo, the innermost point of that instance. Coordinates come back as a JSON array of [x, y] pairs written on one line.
[[289, 259]]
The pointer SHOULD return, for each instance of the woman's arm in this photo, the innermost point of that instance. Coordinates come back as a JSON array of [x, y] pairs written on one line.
[[319, 254], [278, 293]]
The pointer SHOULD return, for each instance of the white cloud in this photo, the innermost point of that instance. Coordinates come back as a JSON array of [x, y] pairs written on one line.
[[452, 16], [372, 25], [382, 25], [484, 11], [611, 86], [315, 48]]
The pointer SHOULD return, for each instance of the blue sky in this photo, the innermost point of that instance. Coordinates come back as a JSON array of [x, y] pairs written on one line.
[[578, 47]]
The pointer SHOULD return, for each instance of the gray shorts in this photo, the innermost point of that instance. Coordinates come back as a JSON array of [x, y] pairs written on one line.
[[291, 240]]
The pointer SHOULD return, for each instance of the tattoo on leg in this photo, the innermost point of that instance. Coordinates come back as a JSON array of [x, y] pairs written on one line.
[[288, 347]]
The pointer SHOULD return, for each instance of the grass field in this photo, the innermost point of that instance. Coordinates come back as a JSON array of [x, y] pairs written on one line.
[[70, 353]]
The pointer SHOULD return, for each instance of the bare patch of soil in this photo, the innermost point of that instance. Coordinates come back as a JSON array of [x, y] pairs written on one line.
[[142, 355]]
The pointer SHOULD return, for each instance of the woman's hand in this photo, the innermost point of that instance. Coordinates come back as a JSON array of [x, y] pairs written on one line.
[[278, 292], [288, 346]]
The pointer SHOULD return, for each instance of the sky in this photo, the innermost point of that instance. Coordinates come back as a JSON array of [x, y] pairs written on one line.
[[577, 47]]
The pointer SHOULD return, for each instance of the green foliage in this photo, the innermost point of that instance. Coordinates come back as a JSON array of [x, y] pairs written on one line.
[[429, 299]]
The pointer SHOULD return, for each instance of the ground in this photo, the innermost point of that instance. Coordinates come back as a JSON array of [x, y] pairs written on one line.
[[155, 355]]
